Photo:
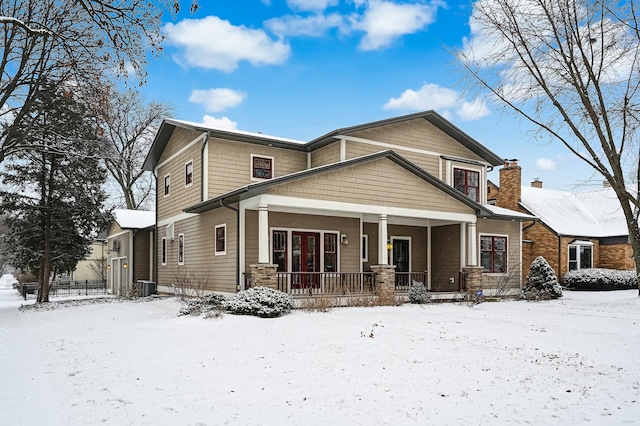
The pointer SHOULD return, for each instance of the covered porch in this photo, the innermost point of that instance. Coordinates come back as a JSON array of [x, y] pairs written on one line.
[[312, 247]]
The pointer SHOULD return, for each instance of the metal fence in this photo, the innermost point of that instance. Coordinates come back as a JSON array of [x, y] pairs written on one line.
[[64, 288]]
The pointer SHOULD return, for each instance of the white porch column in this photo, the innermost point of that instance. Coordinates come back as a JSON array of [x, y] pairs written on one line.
[[263, 233], [383, 253], [472, 259]]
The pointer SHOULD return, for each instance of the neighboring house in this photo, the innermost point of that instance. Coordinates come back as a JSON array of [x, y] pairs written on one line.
[[130, 244], [403, 197], [93, 267], [575, 230]]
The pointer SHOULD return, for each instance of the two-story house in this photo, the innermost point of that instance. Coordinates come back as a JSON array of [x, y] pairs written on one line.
[[403, 199]]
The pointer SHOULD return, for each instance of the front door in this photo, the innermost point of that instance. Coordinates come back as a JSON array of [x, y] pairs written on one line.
[[400, 257], [305, 247]]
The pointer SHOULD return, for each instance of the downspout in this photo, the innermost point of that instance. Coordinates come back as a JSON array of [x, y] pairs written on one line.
[[203, 166], [559, 258], [155, 238], [237, 274], [132, 240]]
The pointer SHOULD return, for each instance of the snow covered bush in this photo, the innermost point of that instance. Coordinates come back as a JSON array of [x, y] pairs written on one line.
[[210, 305], [600, 279], [261, 302], [542, 282], [418, 293]]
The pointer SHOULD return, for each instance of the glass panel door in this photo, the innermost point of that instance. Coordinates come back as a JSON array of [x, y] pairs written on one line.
[[304, 259], [401, 255]]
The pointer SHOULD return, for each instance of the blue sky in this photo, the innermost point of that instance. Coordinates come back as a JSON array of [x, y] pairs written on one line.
[[301, 68]]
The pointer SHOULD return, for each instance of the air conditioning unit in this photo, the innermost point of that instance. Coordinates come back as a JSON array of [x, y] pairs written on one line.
[[170, 232]]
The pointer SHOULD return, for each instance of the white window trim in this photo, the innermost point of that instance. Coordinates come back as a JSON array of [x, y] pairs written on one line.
[[482, 187], [164, 183], [479, 260], [181, 236], [215, 240], [273, 167], [577, 245], [187, 185], [164, 251], [365, 243]]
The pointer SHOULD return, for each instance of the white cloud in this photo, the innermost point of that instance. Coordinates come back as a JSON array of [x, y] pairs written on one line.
[[223, 123], [213, 43], [384, 21], [545, 164], [312, 26], [445, 101], [311, 4], [215, 100]]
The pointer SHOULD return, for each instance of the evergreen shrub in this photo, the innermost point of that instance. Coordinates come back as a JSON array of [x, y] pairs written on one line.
[[418, 293], [600, 279], [261, 302], [542, 282], [211, 306]]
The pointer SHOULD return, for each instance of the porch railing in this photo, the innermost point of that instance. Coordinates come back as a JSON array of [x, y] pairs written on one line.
[[337, 283], [310, 283], [405, 279]]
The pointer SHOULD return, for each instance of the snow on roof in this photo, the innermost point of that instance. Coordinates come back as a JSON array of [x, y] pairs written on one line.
[[589, 214], [501, 211], [239, 132], [134, 219]]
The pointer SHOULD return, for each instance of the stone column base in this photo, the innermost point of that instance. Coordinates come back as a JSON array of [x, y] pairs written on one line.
[[473, 279], [385, 282], [264, 274]]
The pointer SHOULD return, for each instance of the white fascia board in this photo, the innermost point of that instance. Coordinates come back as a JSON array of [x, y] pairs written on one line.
[[339, 208], [388, 145]]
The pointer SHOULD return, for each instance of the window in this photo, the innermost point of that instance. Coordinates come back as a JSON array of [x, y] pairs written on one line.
[[330, 252], [261, 167], [167, 185], [580, 255], [181, 249], [188, 174], [164, 251], [493, 254], [365, 248], [280, 249], [467, 182], [221, 239]]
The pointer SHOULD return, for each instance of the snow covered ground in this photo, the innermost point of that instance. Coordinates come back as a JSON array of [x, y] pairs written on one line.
[[570, 361]]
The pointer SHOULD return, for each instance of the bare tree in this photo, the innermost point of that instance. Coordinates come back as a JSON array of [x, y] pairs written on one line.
[[572, 68], [85, 42], [98, 267], [129, 125]]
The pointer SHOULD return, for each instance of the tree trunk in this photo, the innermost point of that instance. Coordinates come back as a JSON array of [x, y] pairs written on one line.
[[634, 237]]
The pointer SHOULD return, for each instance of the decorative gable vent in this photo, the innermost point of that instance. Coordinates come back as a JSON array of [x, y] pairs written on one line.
[[170, 231]]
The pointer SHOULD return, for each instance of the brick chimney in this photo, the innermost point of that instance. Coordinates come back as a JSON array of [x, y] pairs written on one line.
[[510, 185], [537, 183]]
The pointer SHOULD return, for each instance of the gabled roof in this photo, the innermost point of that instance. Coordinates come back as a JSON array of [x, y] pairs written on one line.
[[134, 219], [258, 188], [586, 214], [432, 117], [169, 125]]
